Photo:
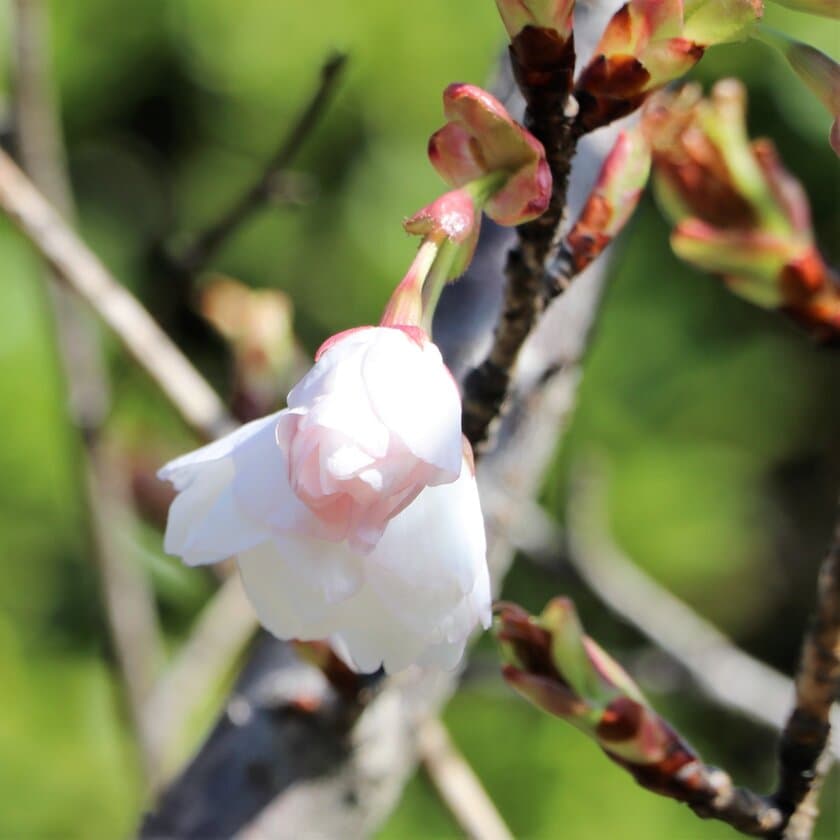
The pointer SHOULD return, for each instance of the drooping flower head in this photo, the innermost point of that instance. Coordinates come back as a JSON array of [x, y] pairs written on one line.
[[354, 512]]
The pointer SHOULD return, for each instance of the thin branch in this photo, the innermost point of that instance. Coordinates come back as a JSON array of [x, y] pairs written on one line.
[[219, 637], [128, 599], [807, 742], [458, 786], [76, 265], [261, 191]]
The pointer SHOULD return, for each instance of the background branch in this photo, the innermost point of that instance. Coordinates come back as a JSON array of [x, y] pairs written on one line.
[[722, 671], [127, 596], [77, 266], [458, 786], [261, 191]]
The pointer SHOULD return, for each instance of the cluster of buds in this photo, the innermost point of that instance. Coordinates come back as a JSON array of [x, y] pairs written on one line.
[[737, 212], [493, 165], [551, 662], [648, 43]]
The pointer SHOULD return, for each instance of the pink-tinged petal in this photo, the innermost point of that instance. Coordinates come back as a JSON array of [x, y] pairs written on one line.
[[525, 196], [455, 154], [349, 415], [416, 398]]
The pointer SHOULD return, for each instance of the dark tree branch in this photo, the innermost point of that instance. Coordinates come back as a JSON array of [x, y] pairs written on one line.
[[206, 244], [804, 752], [543, 69]]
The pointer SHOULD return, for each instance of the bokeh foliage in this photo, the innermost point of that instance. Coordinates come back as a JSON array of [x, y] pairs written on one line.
[[718, 422]]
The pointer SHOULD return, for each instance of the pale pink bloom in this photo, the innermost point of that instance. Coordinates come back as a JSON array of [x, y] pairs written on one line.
[[353, 512]]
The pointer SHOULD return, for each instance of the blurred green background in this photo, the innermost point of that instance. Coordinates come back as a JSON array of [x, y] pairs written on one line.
[[718, 422]]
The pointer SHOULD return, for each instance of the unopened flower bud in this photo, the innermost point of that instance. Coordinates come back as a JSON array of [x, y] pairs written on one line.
[[542, 47], [613, 199], [452, 217], [551, 662], [482, 141], [737, 211]]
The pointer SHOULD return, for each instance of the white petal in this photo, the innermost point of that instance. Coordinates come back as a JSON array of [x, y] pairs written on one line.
[[272, 591], [261, 483], [338, 368], [221, 532], [331, 570], [416, 398], [372, 637], [182, 470], [204, 524], [433, 555], [190, 507], [296, 585]]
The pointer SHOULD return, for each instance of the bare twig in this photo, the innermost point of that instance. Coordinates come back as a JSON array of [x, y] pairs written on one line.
[[458, 786], [262, 190], [805, 749], [84, 272], [128, 599], [219, 637]]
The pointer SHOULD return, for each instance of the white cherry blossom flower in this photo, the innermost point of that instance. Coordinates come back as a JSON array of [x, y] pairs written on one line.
[[354, 513]]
